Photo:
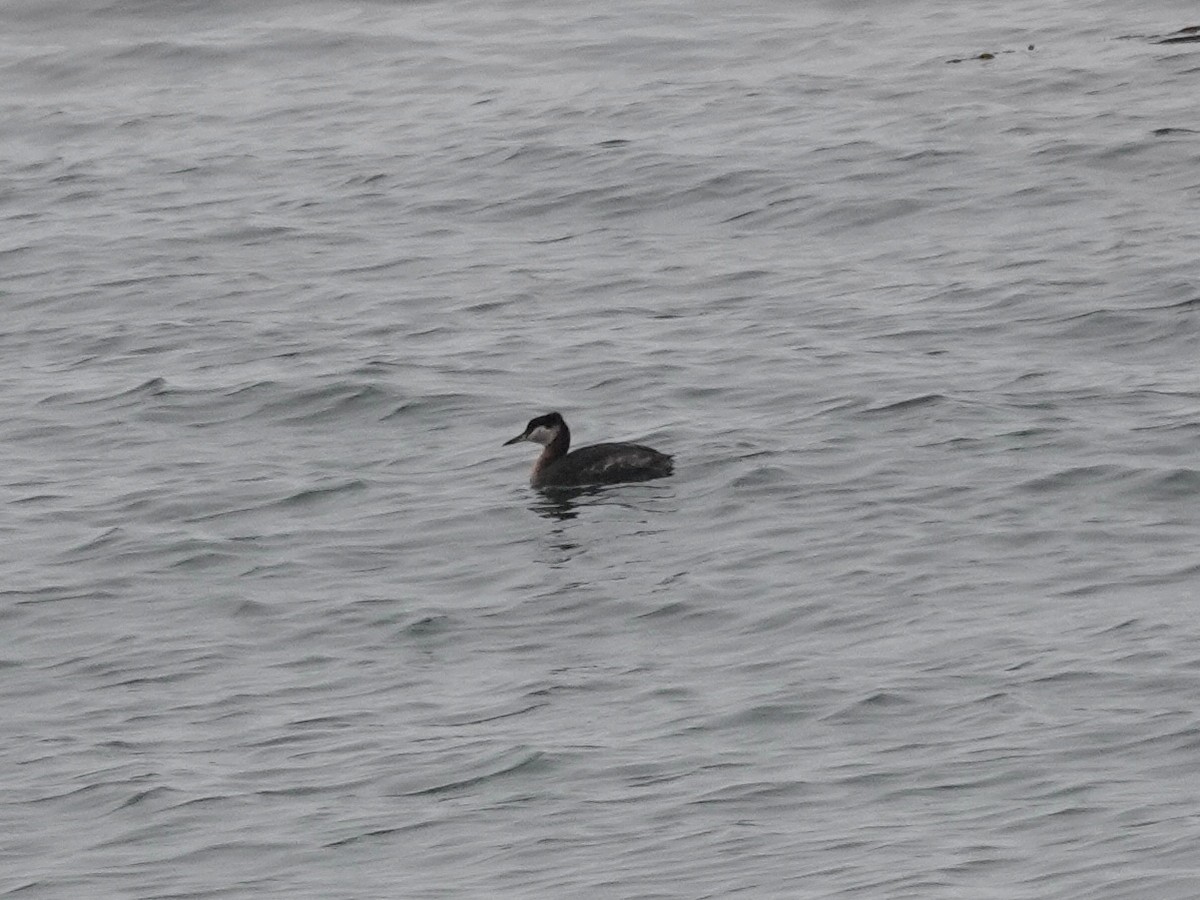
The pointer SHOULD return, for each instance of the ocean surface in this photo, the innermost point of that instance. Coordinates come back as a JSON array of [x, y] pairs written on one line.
[[909, 289]]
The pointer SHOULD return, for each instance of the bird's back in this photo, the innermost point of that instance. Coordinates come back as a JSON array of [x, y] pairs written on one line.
[[606, 464]]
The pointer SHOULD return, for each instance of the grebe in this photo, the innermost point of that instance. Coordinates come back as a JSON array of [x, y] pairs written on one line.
[[597, 464]]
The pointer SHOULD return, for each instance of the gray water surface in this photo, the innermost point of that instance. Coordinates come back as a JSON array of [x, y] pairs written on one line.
[[916, 615]]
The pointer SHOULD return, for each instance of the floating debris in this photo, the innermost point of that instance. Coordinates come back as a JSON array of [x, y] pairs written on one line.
[[985, 55]]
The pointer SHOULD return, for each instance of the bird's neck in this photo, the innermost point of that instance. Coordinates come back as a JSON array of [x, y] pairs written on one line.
[[556, 449]]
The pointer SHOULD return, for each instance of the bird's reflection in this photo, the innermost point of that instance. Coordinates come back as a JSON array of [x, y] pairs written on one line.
[[562, 508], [561, 504]]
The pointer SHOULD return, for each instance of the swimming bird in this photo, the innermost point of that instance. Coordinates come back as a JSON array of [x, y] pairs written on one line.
[[597, 464]]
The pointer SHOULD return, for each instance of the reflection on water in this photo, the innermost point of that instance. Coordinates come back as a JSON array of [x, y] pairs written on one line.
[[562, 503]]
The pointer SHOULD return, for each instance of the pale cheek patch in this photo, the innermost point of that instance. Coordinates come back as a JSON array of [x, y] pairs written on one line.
[[541, 435]]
